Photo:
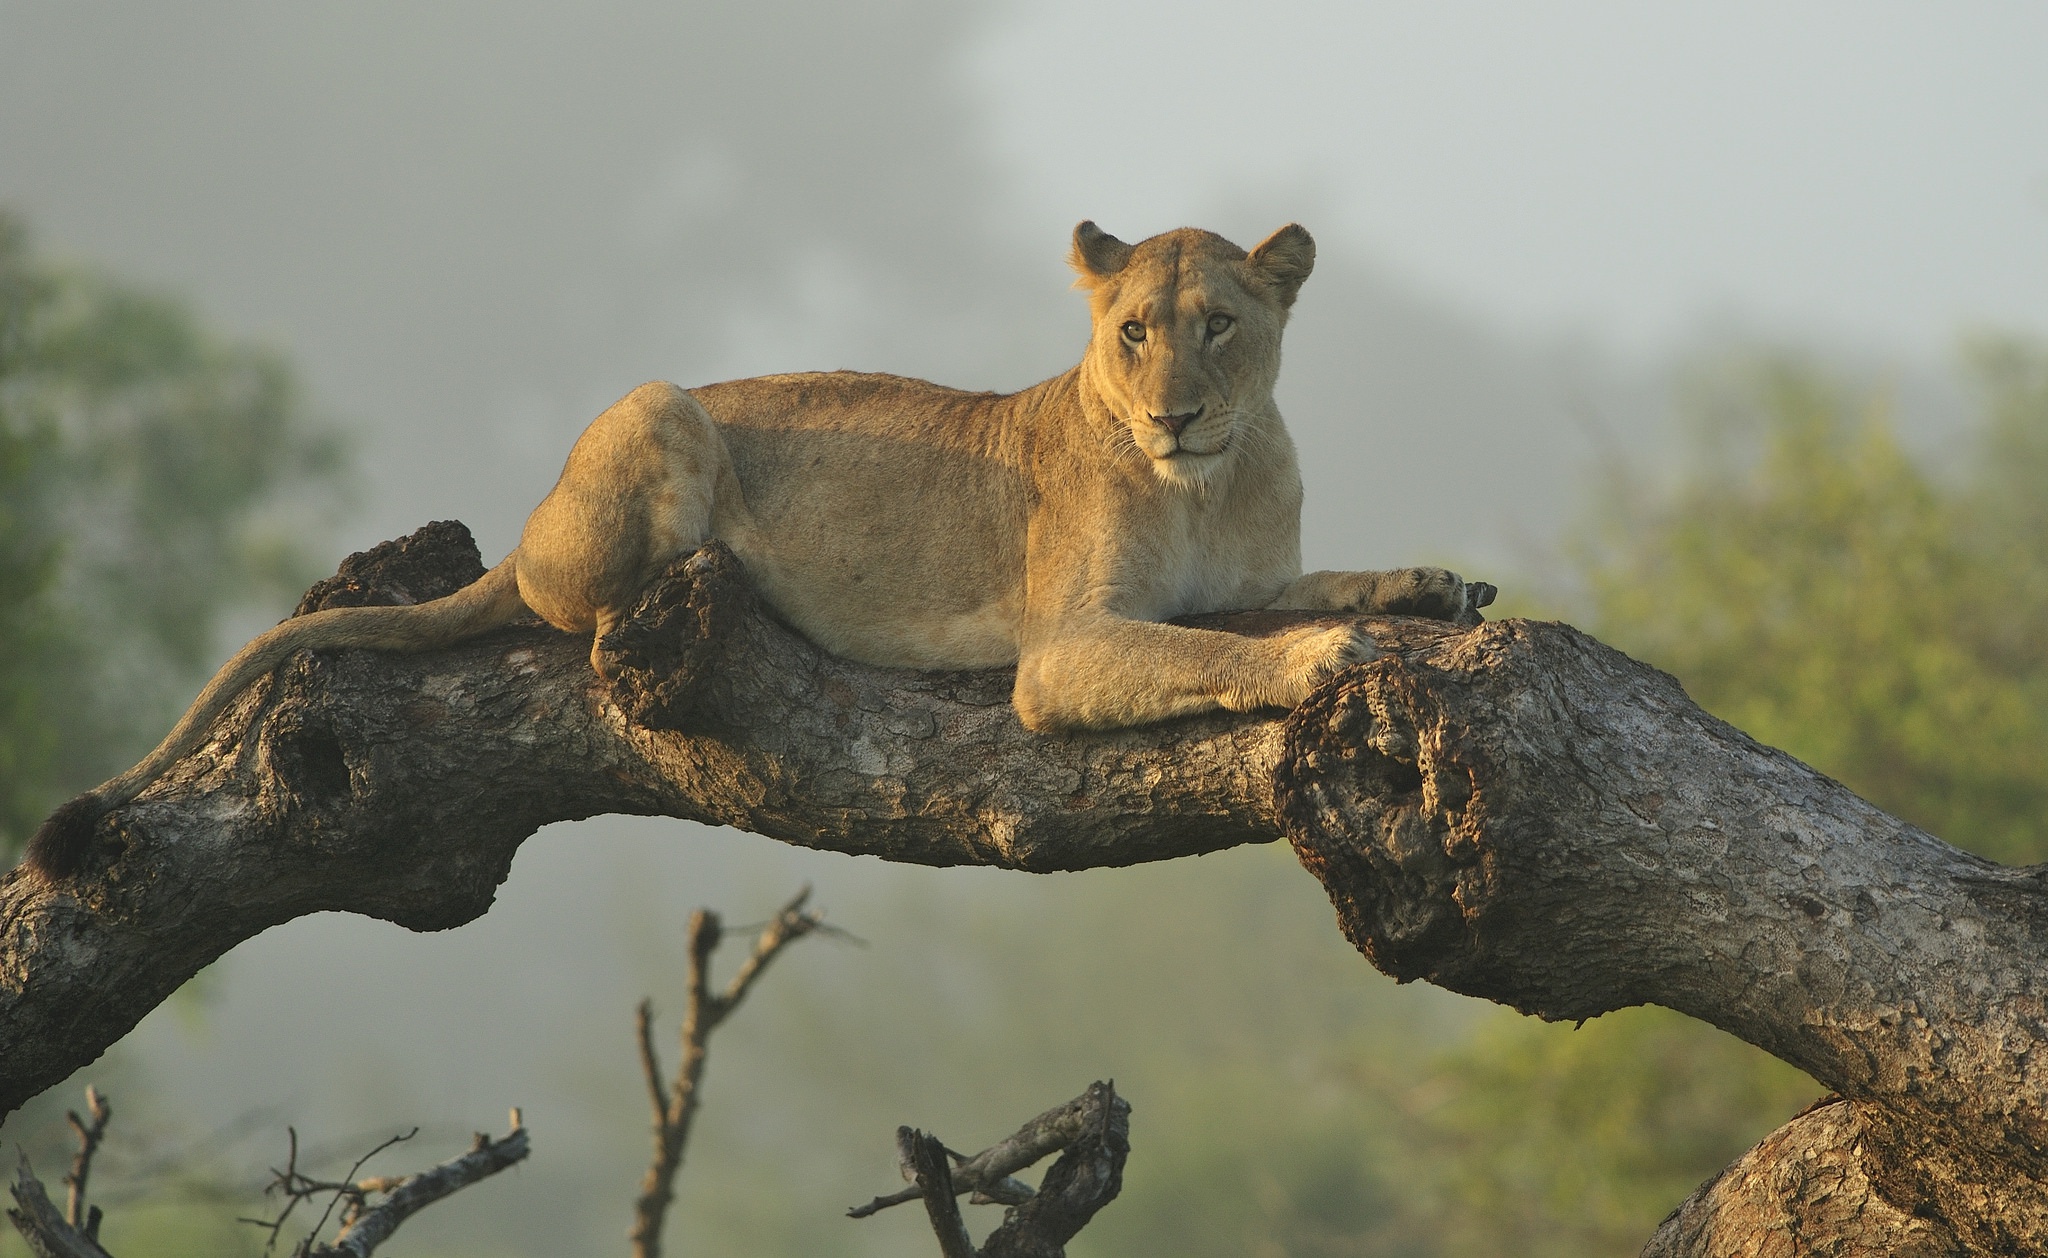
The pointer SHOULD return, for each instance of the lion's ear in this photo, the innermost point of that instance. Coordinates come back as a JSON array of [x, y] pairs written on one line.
[[1097, 255], [1284, 260]]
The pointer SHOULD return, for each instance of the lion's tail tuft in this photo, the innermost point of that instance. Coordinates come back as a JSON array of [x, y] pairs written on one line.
[[59, 846]]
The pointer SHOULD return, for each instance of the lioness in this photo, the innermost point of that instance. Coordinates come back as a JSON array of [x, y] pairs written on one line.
[[902, 523]]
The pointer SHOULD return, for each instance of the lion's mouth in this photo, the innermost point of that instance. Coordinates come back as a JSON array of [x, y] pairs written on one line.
[[1180, 451]]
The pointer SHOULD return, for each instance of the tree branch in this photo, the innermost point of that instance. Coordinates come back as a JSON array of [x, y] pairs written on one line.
[[406, 1196], [89, 1136], [1513, 811], [399, 787], [35, 1216], [1525, 815], [363, 1226], [1093, 1129], [935, 1184]]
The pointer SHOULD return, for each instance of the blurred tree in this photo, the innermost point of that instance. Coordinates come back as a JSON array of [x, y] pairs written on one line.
[[1539, 1139], [153, 479], [1813, 585]]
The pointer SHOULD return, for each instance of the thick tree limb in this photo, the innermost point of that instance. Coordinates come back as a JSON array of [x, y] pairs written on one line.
[[399, 787], [1805, 1190], [1514, 811], [1523, 814]]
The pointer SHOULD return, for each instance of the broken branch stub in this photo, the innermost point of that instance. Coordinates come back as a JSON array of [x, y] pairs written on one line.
[[1091, 1133]]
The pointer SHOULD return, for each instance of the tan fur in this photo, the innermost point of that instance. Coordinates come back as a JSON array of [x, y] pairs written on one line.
[[902, 523]]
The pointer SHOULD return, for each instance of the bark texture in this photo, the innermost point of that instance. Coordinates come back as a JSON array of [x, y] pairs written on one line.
[[1523, 814], [1512, 811]]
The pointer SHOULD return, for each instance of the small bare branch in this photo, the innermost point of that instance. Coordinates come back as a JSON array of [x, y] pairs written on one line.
[[988, 1173], [89, 1136], [369, 1227], [650, 1063], [1093, 1130], [47, 1232], [364, 1226], [676, 1107], [788, 926], [297, 1188], [935, 1182], [1087, 1177]]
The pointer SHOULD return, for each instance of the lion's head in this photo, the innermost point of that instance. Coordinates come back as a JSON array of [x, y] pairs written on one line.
[[1186, 340]]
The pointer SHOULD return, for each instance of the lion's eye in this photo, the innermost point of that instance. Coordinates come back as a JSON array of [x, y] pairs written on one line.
[[1219, 324], [1134, 331]]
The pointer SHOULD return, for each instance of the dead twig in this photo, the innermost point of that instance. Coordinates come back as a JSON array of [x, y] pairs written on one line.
[[89, 1136], [927, 1165], [674, 1107], [1092, 1130], [365, 1226], [76, 1232], [36, 1217]]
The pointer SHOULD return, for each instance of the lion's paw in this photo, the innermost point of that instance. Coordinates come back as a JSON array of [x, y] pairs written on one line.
[[1437, 593], [1316, 657]]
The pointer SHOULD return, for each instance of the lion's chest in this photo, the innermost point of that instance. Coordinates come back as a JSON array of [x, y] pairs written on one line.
[[1196, 562]]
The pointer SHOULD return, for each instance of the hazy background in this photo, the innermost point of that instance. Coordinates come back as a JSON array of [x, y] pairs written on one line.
[[473, 225]]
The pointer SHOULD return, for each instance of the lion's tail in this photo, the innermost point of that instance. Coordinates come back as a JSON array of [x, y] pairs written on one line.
[[60, 844]]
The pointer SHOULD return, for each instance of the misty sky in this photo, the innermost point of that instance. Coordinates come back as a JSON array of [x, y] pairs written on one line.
[[474, 224]]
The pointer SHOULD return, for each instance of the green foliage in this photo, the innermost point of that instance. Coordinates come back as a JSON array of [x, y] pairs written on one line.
[[1815, 586], [1547, 1140], [152, 478]]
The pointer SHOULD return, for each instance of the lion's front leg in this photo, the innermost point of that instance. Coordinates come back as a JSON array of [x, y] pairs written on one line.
[[1105, 672], [1437, 593]]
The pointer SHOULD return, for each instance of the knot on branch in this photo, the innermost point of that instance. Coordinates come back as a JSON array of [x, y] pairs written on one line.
[[426, 564], [676, 636], [1375, 803], [1423, 789]]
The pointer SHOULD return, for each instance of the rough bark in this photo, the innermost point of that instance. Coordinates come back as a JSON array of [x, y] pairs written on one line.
[[399, 787], [1512, 811], [1522, 814]]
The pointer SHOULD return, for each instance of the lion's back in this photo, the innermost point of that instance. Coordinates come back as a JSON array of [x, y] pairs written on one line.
[[884, 516]]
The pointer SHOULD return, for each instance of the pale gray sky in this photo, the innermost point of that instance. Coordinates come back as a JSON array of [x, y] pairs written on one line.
[[476, 223], [1874, 170]]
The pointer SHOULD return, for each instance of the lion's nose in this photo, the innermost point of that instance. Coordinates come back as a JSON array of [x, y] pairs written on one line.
[[1175, 423]]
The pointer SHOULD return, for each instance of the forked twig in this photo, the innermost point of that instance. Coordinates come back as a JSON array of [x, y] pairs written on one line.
[[89, 1136], [75, 1233], [674, 1106], [365, 1226]]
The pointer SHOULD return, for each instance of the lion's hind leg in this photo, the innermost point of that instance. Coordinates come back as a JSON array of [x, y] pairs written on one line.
[[639, 490]]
